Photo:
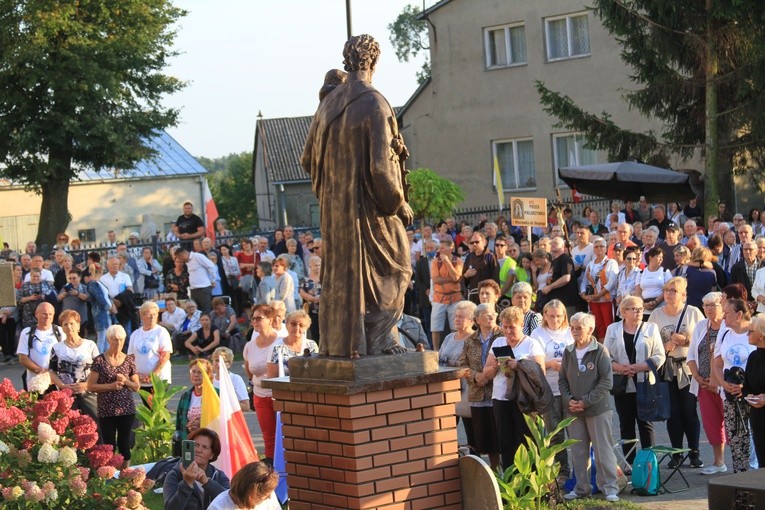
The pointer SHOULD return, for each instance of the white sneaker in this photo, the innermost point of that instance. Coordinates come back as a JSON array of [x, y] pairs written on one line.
[[612, 498], [713, 470], [571, 496]]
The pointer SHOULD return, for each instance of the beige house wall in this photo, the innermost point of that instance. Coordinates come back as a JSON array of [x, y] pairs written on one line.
[[102, 206], [450, 126]]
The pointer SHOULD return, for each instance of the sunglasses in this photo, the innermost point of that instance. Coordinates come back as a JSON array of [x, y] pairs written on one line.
[[497, 245], [257, 319], [475, 242]]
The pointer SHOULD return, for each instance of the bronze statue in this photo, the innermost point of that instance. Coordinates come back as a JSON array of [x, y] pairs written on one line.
[[354, 155]]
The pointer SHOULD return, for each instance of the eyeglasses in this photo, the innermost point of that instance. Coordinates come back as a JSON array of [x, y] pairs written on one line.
[[257, 319], [634, 309], [671, 291], [498, 245], [296, 324], [475, 242], [633, 259], [312, 249], [749, 249]]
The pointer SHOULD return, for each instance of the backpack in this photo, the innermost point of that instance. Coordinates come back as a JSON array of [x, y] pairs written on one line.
[[645, 473]]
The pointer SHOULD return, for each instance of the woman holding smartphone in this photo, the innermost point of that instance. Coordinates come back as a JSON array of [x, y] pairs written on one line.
[[193, 483]]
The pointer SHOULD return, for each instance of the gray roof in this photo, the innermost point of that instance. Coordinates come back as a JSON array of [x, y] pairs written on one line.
[[284, 140], [171, 160]]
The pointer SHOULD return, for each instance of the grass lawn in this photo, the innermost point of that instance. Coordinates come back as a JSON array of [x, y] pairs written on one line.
[[153, 501]]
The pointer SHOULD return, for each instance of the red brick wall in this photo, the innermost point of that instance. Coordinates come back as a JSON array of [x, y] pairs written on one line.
[[388, 449]]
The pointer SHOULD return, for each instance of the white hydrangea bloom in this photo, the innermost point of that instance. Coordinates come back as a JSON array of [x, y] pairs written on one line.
[[67, 456], [47, 454]]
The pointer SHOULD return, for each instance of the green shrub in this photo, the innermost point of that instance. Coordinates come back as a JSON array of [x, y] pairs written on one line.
[[154, 438]]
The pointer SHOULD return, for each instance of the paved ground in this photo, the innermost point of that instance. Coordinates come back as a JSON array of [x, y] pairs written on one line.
[[695, 498]]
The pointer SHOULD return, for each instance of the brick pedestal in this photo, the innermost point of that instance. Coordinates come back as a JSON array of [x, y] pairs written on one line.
[[388, 444]]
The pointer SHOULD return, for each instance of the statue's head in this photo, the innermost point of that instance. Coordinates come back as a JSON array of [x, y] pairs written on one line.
[[361, 53]]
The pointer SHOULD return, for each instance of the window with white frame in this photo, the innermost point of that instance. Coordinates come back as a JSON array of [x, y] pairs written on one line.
[[516, 164], [505, 45], [567, 36], [569, 150]]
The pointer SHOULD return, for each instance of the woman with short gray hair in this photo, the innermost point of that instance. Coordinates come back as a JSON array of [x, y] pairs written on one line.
[[586, 377], [523, 295]]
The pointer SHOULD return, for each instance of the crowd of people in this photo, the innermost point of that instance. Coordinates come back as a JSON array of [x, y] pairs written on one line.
[[653, 294], [587, 308]]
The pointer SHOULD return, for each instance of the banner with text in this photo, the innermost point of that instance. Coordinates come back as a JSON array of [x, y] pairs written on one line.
[[528, 212]]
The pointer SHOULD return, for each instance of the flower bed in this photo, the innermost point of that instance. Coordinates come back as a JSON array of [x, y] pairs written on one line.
[[49, 457]]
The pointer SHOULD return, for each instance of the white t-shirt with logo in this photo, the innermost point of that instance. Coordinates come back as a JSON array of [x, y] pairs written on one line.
[[734, 348], [42, 346], [553, 343], [146, 347], [74, 363]]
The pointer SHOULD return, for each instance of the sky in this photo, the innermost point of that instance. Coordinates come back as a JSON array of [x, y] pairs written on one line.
[[241, 57]]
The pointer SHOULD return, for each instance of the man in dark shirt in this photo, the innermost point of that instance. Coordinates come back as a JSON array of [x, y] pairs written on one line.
[[189, 226], [281, 246], [671, 241], [562, 280], [660, 220], [480, 265]]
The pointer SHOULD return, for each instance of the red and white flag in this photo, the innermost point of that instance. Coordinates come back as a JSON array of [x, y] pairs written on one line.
[[224, 415], [211, 212]]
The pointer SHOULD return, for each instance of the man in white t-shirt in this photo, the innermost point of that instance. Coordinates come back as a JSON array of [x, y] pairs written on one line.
[[36, 343], [172, 317], [115, 281], [582, 252], [266, 255], [38, 262]]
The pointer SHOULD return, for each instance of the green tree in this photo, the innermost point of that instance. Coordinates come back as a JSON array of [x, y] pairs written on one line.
[[81, 86], [699, 67], [432, 196], [409, 36], [232, 189]]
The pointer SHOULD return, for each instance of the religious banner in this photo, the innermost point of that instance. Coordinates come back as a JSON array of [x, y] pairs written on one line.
[[528, 212]]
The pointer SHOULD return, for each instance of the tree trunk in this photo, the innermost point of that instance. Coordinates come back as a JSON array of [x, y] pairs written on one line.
[[711, 190], [54, 210]]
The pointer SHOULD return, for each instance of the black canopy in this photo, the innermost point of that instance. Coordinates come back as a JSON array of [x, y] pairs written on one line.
[[628, 180]]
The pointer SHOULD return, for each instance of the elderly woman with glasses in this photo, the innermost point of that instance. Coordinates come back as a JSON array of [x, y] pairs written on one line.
[[677, 321], [651, 280], [633, 344], [703, 384], [586, 378], [627, 277], [511, 426], [480, 386], [294, 344]]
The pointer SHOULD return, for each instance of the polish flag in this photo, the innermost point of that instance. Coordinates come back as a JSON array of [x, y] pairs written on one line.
[[224, 415], [211, 212]]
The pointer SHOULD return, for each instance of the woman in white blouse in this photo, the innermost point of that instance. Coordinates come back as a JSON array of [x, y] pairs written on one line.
[[598, 285], [633, 344]]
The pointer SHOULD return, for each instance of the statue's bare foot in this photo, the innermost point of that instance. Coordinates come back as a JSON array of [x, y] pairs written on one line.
[[395, 349]]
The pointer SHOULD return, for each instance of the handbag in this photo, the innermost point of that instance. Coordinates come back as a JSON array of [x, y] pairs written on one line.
[[620, 384], [652, 399], [668, 371]]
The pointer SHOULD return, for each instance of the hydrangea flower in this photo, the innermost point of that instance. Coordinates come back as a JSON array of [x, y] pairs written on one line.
[[47, 454], [67, 456], [46, 434]]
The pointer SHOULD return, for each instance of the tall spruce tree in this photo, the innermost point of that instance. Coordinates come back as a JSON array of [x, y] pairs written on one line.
[[699, 67], [81, 86]]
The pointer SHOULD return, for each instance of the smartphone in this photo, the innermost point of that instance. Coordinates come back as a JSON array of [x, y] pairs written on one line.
[[68, 287], [751, 399], [188, 452]]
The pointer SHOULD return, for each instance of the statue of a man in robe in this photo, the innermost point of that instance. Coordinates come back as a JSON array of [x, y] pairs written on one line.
[[354, 155]]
